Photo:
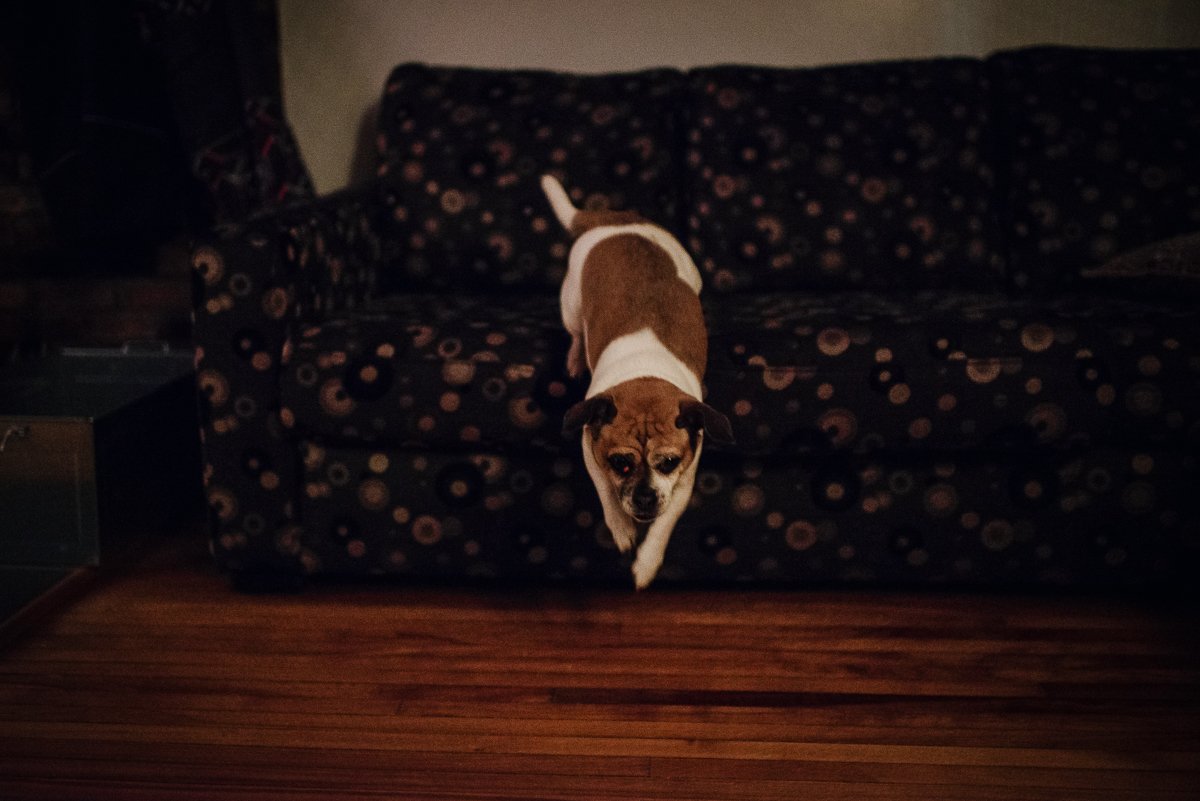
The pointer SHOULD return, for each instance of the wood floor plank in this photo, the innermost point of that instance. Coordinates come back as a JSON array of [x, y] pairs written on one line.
[[449, 638], [399, 769], [124, 791], [297, 765], [162, 683], [527, 721], [973, 722], [896, 669], [566, 743]]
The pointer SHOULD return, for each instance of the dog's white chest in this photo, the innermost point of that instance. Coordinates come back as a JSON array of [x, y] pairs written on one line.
[[639, 355]]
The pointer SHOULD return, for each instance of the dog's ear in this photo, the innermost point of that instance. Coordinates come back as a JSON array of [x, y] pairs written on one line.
[[694, 416], [595, 411]]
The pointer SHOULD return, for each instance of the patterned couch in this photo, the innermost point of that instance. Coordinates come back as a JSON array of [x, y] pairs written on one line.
[[925, 385]]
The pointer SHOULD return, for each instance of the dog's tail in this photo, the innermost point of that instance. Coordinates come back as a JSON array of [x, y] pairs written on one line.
[[564, 209], [576, 221]]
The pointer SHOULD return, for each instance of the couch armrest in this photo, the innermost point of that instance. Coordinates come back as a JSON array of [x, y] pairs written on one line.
[[333, 249], [255, 280], [300, 261]]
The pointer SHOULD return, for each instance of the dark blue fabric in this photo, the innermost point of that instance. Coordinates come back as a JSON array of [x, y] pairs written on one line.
[[899, 419]]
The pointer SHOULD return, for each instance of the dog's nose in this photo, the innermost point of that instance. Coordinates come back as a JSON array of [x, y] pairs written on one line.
[[645, 497]]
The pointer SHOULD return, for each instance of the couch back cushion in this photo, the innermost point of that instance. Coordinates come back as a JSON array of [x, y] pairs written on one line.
[[860, 176], [462, 151], [1101, 155]]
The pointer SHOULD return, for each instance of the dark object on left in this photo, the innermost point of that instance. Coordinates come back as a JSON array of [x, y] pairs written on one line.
[[99, 448]]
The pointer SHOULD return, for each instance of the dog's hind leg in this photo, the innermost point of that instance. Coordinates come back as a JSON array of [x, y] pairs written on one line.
[[575, 357]]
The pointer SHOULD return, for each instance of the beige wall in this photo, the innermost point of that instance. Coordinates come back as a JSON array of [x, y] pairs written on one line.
[[337, 54]]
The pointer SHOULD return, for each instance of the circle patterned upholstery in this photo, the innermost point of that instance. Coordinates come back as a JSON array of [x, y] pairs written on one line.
[[381, 371]]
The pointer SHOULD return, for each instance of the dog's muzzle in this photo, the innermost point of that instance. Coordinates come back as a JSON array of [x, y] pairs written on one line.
[[645, 504]]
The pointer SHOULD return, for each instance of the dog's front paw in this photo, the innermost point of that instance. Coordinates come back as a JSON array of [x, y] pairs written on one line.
[[624, 536], [644, 571], [622, 529]]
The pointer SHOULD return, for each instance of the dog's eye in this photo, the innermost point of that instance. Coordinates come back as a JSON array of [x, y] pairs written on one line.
[[621, 463], [668, 465]]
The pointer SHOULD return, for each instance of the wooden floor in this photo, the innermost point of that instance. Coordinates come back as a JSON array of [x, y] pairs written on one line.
[[164, 684]]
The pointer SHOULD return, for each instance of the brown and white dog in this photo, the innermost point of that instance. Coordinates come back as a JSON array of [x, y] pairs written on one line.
[[631, 302]]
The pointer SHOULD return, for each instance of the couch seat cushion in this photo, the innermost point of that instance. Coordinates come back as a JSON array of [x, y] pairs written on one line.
[[433, 370], [952, 371], [846, 371]]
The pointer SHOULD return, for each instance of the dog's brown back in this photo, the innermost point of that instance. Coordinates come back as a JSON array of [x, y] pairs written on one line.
[[630, 283]]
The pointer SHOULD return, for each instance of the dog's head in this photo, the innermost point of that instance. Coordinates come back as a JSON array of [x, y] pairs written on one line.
[[643, 434]]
